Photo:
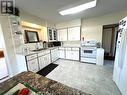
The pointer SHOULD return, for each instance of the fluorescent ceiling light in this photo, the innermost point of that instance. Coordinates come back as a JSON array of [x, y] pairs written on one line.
[[78, 8]]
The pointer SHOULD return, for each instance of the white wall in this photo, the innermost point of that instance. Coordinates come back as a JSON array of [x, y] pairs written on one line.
[[92, 28], [30, 18], [36, 20], [72, 23]]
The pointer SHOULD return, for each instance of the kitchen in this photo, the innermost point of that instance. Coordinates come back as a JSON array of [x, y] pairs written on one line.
[[42, 43]]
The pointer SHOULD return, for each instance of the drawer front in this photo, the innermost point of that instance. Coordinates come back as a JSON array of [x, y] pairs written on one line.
[[33, 65], [30, 57], [68, 49], [43, 52], [61, 48], [54, 50], [88, 60], [76, 49]]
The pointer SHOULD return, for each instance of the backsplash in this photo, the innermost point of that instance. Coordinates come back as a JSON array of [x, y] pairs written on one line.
[[32, 46], [71, 44]]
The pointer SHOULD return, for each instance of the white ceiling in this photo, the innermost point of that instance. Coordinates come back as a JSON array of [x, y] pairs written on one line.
[[48, 9]]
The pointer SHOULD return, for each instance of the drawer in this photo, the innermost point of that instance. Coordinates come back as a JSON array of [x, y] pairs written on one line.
[[88, 60], [77, 49], [55, 49], [68, 49], [44, 52], [30, 57], [61, 48]]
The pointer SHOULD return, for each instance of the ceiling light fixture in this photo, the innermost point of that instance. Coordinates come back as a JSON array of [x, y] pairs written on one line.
[[78, 8]]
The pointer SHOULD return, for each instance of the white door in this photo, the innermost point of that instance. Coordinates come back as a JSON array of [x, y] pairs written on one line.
[[33, 65], [62, 34], [74, 34]]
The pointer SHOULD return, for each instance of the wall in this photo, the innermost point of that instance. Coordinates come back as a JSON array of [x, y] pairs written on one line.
[[26, 17], [35, 20], [32, 19], [92, 28], [72, 23]]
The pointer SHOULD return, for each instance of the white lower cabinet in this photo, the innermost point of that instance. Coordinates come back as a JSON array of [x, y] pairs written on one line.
[[36, 62], [75, 55], [54, 55], [68, 54], [44, 61], [72, 55], [33, 65], [61, 54]]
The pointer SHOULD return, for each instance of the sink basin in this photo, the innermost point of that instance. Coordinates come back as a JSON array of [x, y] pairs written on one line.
[[39, 49]]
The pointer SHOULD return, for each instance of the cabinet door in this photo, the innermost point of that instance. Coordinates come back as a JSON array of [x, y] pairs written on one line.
[[54, 55], [69, 54], [33, 65], [62, 34], [47, 59], [74, 34], [50, 34], [62, 54], [75, 55], [44, 61], [41, 62], [54, 34]]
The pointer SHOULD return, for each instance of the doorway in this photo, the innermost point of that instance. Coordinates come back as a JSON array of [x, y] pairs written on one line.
[[109, 39], [3, 66]]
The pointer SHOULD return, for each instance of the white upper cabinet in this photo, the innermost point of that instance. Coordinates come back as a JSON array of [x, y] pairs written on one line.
[[74, 34], [52, 34], [62, 34]]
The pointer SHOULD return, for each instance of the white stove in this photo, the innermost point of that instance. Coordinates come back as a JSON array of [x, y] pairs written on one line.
[[88, 51]]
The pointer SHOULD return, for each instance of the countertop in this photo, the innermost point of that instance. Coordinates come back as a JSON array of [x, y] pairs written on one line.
[[50, 48], [42, 84]]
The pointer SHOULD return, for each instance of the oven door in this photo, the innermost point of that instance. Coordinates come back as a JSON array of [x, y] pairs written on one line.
[[88, 52]]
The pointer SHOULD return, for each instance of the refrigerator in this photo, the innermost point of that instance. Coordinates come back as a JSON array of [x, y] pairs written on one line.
[[120, 64]]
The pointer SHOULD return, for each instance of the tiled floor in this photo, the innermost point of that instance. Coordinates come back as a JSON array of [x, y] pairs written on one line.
[[89, 78]]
